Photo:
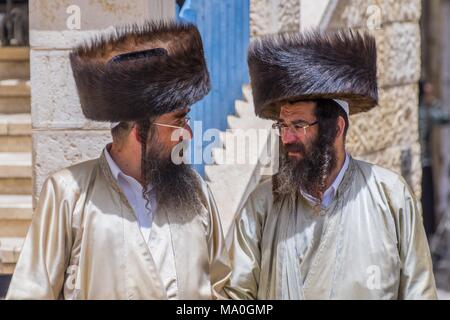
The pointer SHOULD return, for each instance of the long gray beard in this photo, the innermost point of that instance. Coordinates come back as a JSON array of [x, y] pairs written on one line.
[[176, 186], [309, 174]]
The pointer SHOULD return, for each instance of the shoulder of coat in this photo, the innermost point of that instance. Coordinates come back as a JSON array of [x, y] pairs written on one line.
[[379, 173], [75, 176], [263, 191], [393, 184]]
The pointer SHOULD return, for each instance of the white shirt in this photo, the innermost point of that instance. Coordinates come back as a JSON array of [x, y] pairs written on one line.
[[330, 193], [311, 227], [133, 191]]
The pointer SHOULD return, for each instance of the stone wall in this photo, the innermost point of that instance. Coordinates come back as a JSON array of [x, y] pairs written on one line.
[[273, 16], [444, 178], [388, 135], [439, 75], [61, 134]]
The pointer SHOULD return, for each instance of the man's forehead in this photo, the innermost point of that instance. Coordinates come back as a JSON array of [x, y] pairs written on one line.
[[288, 109]]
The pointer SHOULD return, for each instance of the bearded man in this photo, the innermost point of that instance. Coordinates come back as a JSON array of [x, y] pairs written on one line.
[[131, 224], [327, 226]]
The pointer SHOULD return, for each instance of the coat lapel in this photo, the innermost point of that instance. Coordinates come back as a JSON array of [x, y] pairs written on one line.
[[291, 287], [142, 276], [320, 279], [189, 243]]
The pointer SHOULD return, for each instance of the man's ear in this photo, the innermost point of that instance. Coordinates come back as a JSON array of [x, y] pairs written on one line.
[[135, 133], [340, 126]]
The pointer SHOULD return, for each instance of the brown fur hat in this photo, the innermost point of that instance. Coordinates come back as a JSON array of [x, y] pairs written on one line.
[[312, 65], [140, 71]]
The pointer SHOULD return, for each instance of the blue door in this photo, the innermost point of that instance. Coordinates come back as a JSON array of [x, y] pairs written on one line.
[[225, 30]]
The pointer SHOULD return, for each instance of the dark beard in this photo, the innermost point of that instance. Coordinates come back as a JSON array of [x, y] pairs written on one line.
[[176, 186], [310, 173]]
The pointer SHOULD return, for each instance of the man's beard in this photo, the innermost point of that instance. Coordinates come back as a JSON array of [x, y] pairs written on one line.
[[310, 173], [175, 186]]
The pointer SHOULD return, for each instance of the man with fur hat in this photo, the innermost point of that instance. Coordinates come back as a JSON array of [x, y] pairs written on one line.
[[131, 224], [327, 226]]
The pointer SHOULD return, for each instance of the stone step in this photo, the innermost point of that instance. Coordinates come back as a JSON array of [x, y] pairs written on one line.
[[15, 165], [237, 148], [15, 154], [10, 249], [248, 123], [7, 269], [14, 88], [15, 215], [15, 124], [14, 63], [219, 156], [11, 105], [15, 173], [14, 54], [216, 173], [15, 143], [13, 69], [231, 181], [15, 96], [15, 207], [244, 109], [247, 91], [15, 133], [223, 137], [228, 177], [238, 123], [10, 186]]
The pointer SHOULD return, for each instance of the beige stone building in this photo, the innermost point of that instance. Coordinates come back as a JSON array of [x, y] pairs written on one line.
[[387, 135], [436, 70]]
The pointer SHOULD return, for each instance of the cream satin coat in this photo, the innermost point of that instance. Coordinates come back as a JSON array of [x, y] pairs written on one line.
[[85, 243], [372, 245]]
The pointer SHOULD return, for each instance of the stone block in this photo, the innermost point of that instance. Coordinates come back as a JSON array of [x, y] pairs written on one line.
[[273, 16], [55, 102], [393, 123], [55, 150]]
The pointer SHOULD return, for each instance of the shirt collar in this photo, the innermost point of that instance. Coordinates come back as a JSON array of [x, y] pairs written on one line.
[[117, 172], [329, 194], [335, 185]]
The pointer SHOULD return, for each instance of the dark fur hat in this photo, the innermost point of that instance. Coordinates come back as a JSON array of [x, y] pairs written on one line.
[[140, 71], [312, 65]]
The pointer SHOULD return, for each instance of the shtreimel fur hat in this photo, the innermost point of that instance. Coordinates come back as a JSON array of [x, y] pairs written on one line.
[[140, 71], [313, 65]]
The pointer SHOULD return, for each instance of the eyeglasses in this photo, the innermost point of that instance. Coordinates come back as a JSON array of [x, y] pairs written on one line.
[[294, 127], [184, 123]]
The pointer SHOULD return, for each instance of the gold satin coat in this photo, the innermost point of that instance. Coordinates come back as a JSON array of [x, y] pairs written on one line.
[[372, 245], [85, 243]]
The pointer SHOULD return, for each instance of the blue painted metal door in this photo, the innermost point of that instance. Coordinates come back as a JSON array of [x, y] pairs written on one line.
[[224, 26]]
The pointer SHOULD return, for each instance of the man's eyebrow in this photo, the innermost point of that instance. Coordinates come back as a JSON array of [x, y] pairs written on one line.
[[293, 122], [299, 121]]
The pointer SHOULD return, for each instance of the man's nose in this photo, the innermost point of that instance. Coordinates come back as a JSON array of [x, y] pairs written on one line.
[[287, 137]]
